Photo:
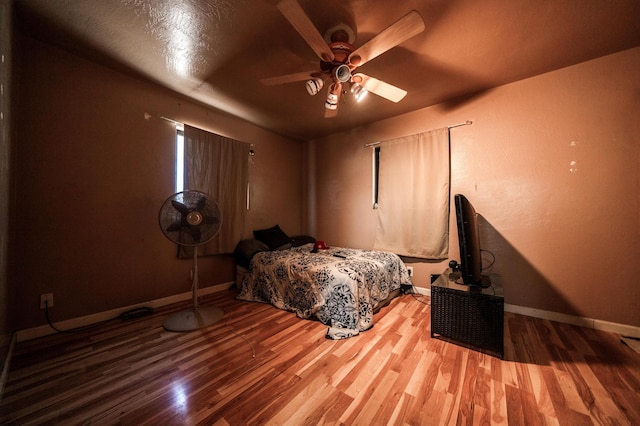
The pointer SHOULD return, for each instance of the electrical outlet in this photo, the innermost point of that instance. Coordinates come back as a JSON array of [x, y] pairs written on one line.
[[410, 270], [46, 300]]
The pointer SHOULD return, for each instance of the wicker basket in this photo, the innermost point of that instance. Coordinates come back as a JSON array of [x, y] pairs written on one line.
[[471, 318]]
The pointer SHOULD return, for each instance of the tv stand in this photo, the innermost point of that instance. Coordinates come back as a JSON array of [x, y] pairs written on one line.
[[456, 276], [472, 316]]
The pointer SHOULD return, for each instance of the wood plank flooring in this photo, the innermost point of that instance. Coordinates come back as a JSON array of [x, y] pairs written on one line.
[[260, 365]]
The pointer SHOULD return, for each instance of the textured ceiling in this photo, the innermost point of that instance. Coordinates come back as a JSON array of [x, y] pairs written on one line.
[[216, 52]]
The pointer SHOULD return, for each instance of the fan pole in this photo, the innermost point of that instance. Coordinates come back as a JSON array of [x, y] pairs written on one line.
[[194, 318]]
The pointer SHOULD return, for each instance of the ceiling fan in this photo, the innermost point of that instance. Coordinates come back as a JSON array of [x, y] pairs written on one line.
[[339, 58]]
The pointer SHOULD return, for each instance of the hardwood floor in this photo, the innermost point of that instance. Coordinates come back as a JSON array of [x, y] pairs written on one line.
[[260, 365]]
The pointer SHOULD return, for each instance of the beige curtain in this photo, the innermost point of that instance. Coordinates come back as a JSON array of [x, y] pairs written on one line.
[[413, 196], [218, 166]]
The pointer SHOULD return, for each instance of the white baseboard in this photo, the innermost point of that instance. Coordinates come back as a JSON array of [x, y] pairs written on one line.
[[612, 327], [45, 330], [423, 291]]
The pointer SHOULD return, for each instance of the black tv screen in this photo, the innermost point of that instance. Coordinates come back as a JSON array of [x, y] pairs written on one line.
[[469, 241]]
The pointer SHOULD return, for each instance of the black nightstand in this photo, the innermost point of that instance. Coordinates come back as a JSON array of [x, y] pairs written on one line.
[[470, 316]]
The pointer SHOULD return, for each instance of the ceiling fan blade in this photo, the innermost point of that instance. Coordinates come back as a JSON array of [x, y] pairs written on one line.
[[402, 30], [330, 113], [379, 87], [296, 16], [289, 78]]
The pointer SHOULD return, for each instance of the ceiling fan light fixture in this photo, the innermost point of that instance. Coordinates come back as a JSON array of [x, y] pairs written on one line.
[[359, 92], [342, 73], [339, 58], [332, 96], [332, 101], [314, 86]]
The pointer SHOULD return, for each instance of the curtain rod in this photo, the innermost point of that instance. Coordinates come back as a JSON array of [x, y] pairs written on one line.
[[177, 123], [170, 120], [148, 116], [466, 123]]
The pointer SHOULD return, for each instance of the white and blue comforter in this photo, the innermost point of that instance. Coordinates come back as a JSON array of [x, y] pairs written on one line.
[[341, 287]]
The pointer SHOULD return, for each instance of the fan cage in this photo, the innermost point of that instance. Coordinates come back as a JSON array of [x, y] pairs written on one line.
[[173, 222]]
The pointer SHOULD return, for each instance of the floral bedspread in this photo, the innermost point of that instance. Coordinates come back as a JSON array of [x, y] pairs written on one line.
[[341, 287]]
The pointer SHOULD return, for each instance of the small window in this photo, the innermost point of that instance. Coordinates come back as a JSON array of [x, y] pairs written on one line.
[[376, 175]]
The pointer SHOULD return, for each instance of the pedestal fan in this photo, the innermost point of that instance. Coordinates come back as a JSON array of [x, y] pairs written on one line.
[[191, 218]]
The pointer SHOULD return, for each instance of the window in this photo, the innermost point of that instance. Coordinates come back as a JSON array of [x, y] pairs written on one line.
[[413, 198], [376, 175], [219, 167]]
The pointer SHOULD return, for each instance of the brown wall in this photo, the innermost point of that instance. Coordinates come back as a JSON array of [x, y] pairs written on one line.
[[5, 175], [91, 173], [565, 241]]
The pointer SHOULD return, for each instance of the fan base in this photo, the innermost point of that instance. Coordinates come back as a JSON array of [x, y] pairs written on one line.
[[191, 319]]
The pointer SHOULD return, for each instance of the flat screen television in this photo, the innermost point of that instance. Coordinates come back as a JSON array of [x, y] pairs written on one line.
[[469, 241]]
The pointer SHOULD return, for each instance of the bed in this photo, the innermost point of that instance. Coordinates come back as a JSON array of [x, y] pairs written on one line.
[[340, 287]]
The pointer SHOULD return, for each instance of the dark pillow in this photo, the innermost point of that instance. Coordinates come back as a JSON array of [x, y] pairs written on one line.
[[274, 237], [245, 250], [301, 240]]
